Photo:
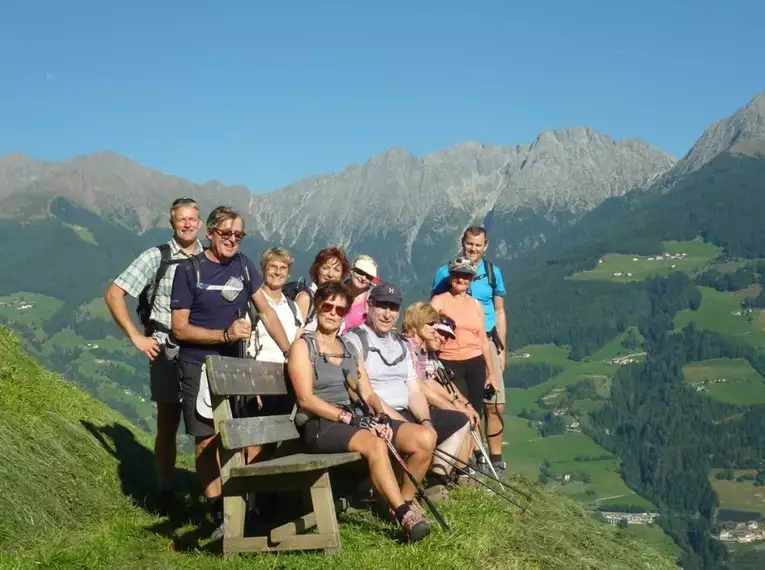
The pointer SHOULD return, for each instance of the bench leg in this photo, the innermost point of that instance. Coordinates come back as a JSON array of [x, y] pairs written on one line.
[[324, 509], [234, 509]]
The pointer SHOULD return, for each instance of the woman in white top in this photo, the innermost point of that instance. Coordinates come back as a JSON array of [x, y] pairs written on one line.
[[276, 264], [330, 264]]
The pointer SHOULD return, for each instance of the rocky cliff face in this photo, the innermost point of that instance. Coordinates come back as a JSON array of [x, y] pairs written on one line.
[[744, 131], [406, 211]]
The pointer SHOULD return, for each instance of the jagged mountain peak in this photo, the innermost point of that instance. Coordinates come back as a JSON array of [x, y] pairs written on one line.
[[746, 124]]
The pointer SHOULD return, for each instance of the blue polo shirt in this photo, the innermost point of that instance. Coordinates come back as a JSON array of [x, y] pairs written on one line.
[[209, 308], [479, 289]]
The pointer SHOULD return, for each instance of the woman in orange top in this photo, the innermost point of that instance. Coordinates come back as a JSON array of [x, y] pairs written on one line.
[[468, 355]]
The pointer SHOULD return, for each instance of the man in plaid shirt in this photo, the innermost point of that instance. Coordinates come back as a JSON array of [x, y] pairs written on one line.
[[156, 343]]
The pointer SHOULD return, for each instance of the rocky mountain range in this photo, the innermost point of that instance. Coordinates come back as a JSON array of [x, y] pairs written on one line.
[[396, 207], [407, 211]]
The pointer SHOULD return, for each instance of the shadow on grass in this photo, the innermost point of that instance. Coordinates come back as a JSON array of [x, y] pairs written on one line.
[[188, 525]]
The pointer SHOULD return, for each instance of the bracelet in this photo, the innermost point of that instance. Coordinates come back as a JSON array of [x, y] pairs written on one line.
[[344, 417], [226, 337], [426, 420], [285, 353]]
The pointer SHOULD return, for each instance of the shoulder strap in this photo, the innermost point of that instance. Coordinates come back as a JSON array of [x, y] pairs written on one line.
[[362, 334], [311, 306], [293, 307], [350, 349], [245, 261], [490, 276], [164, 263], [197, 269], [366, 349], [313, 350]]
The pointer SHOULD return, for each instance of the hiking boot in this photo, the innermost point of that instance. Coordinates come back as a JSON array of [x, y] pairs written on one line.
[[414, 525], [500, 466], [483, 466]]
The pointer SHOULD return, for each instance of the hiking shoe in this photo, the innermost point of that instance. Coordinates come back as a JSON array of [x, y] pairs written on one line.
[[414, 525], [217, 516], [500, 466]]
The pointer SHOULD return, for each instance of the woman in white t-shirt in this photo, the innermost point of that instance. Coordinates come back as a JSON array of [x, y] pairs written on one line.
[[276, 264]]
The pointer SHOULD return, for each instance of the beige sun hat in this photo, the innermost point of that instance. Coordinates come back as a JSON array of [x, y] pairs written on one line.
[[366, 264]]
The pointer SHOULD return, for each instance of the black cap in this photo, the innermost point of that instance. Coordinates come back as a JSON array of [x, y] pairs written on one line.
[[386, 293]]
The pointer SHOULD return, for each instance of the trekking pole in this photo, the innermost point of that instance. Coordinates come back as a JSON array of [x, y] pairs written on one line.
[[448, 383], [467, 466], [443, 455], [485, 455], [420, 492], [241, 352]]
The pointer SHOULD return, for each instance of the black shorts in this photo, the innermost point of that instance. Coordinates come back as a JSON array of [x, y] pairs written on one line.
[[470, 379], [196, 425], [321, 435], [445, 422], [164, 383]]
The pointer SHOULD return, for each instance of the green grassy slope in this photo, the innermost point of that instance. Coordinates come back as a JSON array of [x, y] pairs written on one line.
[[75, 477]]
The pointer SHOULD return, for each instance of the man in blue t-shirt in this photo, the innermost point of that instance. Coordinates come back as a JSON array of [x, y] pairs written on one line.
[[209, 292], [490, 293]]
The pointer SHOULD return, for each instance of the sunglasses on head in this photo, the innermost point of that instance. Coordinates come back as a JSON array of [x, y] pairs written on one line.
[[184, 200], [328, 308], [364, 274], [228, 234]]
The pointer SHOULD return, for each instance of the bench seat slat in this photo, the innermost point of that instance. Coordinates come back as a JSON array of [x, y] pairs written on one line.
[[297, 463], [242, 432], [228, 376]]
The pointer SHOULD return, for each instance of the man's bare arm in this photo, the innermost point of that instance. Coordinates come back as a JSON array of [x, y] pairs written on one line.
[[114, 297]]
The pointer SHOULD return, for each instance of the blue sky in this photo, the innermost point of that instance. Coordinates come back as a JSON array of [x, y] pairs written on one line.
[[264, 92]]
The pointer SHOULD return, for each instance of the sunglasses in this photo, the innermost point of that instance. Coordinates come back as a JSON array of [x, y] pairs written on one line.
[[228, 234], [328, 308], [184, 200], [363, 274]]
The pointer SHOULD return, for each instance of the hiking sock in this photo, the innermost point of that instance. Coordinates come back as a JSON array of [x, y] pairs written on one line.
[[402, 510], [495, 457], [216, 508], [437, 479]]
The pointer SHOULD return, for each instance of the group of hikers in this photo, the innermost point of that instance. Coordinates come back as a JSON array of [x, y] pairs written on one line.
[[195, 301]]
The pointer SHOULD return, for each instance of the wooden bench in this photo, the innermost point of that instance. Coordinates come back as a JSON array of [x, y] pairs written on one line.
[[288, 469]]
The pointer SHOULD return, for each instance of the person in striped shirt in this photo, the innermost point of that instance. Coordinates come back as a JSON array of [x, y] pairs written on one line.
[[153, 338]]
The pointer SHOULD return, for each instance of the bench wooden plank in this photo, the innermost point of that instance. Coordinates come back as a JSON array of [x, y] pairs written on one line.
[[297, 463], [303, 524], [242, 432], [229, 376], [298, 542]]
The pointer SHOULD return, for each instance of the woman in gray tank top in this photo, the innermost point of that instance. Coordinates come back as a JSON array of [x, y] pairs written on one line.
[[317, 368]]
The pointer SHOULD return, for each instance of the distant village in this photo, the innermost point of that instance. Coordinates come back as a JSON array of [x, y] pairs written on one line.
[[20, 305], [613, 517], [665, 257], [743, 532]]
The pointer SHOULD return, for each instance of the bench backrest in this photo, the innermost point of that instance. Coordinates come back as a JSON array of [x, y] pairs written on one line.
[[228, 377]]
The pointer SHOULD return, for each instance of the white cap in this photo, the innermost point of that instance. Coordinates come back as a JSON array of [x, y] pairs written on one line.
[[366, 266]]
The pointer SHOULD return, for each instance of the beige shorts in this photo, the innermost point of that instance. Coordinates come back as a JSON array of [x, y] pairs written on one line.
[[500, 398]]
